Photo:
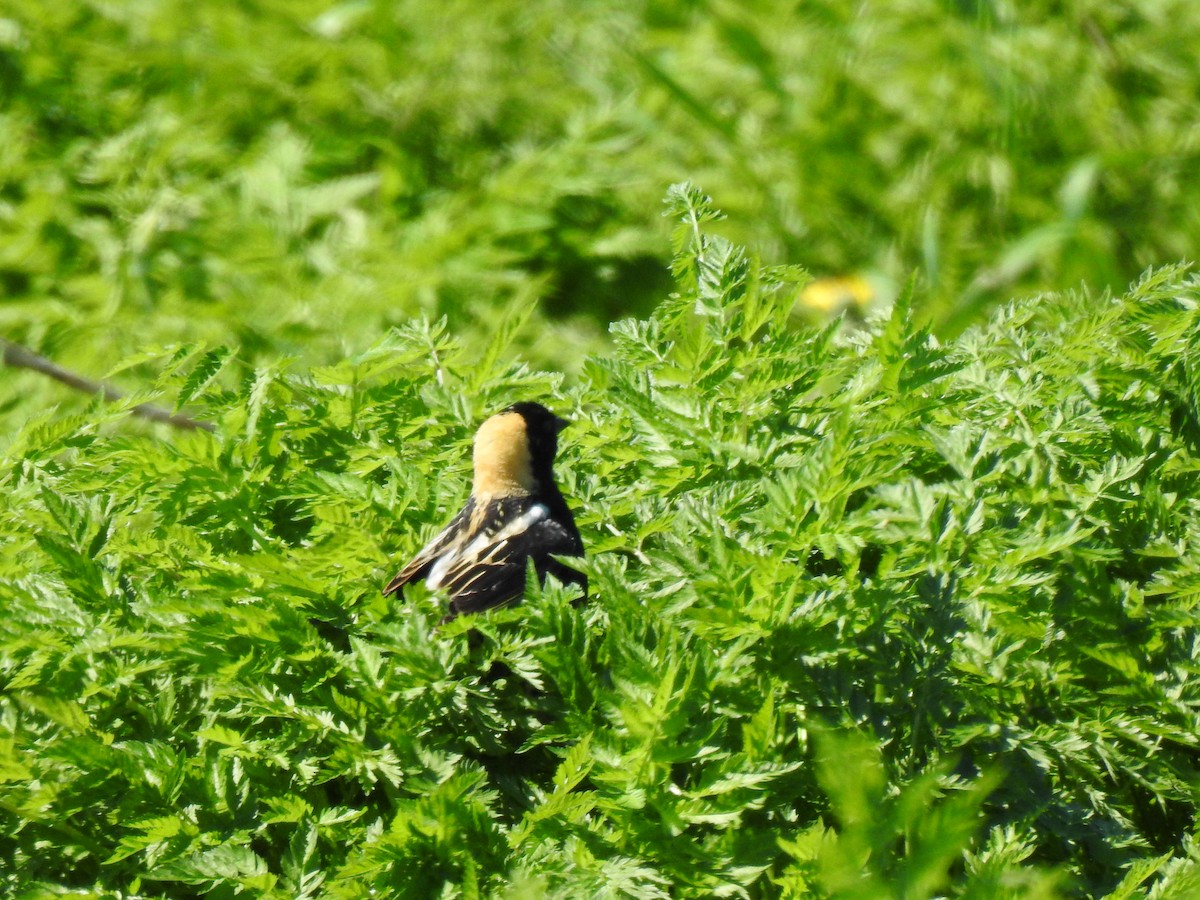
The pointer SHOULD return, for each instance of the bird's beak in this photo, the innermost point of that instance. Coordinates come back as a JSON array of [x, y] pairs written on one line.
[[560, 423]]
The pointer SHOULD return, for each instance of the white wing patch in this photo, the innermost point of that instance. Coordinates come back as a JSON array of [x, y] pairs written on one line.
[[485, 544]]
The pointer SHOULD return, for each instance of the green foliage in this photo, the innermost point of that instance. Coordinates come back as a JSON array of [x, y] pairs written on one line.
[[294, 177], [872, 615]]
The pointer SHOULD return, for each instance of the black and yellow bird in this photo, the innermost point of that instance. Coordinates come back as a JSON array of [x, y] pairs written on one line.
[[515, 513]]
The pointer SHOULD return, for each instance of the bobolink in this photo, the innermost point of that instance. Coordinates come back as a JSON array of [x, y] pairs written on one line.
[[515, 513]]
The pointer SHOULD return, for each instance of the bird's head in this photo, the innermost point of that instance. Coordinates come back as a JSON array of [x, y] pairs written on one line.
[[514, 450]]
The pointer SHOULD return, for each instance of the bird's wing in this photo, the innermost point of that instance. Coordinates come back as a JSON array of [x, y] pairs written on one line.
[[418, 567], [491, 569]]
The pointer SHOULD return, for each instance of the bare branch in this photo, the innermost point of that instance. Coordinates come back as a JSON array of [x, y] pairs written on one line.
[[23, 358]]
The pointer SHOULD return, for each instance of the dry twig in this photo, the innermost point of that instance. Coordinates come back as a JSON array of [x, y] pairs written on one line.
[[23, 358]]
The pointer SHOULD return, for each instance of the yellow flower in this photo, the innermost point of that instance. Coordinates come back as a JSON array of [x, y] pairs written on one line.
[[830, 296]]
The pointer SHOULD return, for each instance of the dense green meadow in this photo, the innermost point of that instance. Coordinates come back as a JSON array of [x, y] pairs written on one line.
[[900, 604]]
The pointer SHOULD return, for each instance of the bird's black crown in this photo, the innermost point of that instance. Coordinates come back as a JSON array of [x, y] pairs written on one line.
[[538, 418], [541, 428]]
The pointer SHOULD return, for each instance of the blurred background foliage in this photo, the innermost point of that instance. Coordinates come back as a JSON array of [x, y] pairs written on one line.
[[294, 177]]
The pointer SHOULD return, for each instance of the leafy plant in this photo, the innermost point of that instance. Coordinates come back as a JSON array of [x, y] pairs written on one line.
[[872, 615], [295, 178]]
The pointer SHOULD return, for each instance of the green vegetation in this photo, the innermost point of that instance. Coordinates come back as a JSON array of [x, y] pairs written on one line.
[[900, 609], [979, 558], [293, 177]]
